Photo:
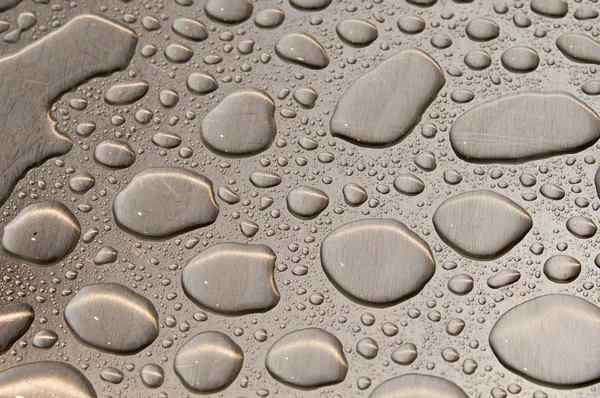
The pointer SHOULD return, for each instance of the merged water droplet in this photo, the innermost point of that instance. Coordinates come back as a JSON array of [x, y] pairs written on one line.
[[164, 202], [399, 90], [291, 360], [232, 279], [499, 130], [377, 252], [31, 84], [481, 224], [563, 356], [112, 318], [42, 233]]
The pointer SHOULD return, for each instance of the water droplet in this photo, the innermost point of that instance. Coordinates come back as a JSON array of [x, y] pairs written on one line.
[[208, 362], [399, 90], [302, 49], [400, 262], [418, 386], [15, 320], [42, 233], [481, 224], [564, 356], [112, 318], [291, 359], [208, 279], [498, 131], [164, 202], [45, 379], [243, 124]]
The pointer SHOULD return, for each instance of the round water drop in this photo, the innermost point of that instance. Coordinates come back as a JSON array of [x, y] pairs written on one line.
[[520, 59], [482, 29], [409, 184], [269, 18], [367, 348], [153, 376], [461, 284], [411, 25], [208, 362], [201, 83], [81, 183], [290, 360], [405, 354], [112, 375], [310, 5], [357, 32], [550, 8], [114, 154], [103, 315], [229, 11], [562, 268], [44, 339], [178, 53], [552, 191], [582, 227], [42, 233], [354, 194], [306, 202], [478, 60]]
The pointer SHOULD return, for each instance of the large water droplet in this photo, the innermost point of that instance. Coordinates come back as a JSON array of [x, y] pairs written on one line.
[[499, 131], [208, 362], [377, 252], [42, 233], [307, 358], [398, 91], [564, 355], [481, 224], [164, 202], [112, 318], [243, 124]]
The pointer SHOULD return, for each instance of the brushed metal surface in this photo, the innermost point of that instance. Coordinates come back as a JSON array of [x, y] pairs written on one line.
[[299, 198]]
